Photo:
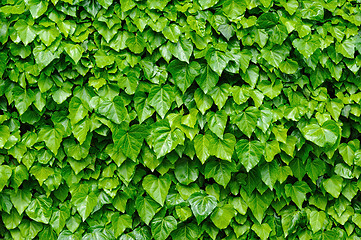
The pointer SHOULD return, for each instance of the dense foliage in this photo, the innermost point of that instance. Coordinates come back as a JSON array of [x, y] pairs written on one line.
[[159, 119]]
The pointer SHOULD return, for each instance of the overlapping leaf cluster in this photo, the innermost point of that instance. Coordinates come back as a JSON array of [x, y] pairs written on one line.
[[181, 119]]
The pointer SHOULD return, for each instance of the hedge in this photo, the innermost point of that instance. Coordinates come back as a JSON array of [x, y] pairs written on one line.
[[180, 119]]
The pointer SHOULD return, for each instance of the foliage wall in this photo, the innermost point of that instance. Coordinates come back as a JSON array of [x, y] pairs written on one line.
[[159, 119]]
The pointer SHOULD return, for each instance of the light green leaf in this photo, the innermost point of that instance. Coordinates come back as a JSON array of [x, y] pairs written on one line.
[[5, 174], [182, 50], [162, 227], [146, 208], [4, 135], [222, 216], [202, 147], [130, 141], [246, 120], [84, 201], [119, 223], [77, 110], [262, 230], [74, 51], [11, 220], [297, 192], [202, 205], [183, 73], [136, 44], [317, 220], [217, 122], [323, 136], [249, 152], [220, 171], [161, 98], [223, 148], [52, 137], [21, 199], [203, 101], [172, 32], [113, 110], [289, 66], [157, 188], [217, 60], [39, 209], [333, 185], [25, 30], [207, 79], [269, 173]]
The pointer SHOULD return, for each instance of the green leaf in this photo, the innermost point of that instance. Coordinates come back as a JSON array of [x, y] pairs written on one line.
[[217, 122], [84, 201], [207, 79], [249, 152], [207, 3], [23, 99], [5, 174], [25, 30], [157, 188], [146, 208], [297, 192], [130, 141], [188, 231], [41, 173], [39, 209], [202, 205], [323, 136], [162, 227], [182, 50], [113, 110], [165, 138], [202, 147], [306, 47], [37, 7], [52, 137], [274, 56], [172, 32], [21, 200], [247, 120], [267, 20], [59, 217], [203, 101], [258, 203], [4, 135], [289, 66], [119, 223], [262, 230], [234, 9], [11, 220], [333, 185], [161, 98], [217, 60], [136, 44], [224, 147], [220, 171], [74, 51], [317, 220], [48, 35], [269, 173], [346, 48], [103, 59], [183, 73], [185, 171], [222, 216], [77, 111]]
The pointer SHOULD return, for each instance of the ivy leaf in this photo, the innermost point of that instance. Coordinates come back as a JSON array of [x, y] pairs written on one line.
[[130, 141], [325, 135], [224, 147], [25, 30], [289, 66], [11, 220], [183, 73], [274, 56], [249, 152], [161, 98], [220, 171], [202, 147], [74, 51], [346, 48], [269, 173], [207, 3], [203, 101], [52, 137], [37, 7], [172, 32], [23, 99], [233, 9], [222, 216], [113, 110], [297, 192], [202, 205], [157, 188], [119, 223], [217, 122], [217, 60], [84, 201], [207, 79], [247, 120], [39, 209], [5, 174], [162, 227], [21, 200], [182, 50], [165, 139], [186, 231], [306, 47], [317, 220], [262, 230], [77, 111], [4, 135], [146, 208], [186, 171], [333, 185], [136, 44]]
